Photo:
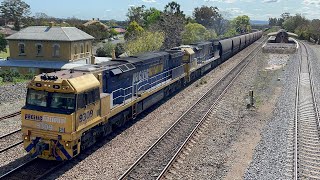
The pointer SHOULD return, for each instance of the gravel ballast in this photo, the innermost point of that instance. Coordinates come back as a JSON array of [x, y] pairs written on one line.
[[227, 146], [269, 159], [112, 158]]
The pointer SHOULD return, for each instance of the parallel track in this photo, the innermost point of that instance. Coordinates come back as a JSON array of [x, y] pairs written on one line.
[[10, 115], [8, 137], [157, 160], [34, 169], [306, 145]]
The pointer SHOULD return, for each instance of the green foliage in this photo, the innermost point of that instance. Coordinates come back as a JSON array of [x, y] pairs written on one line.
[[13, 76], [133, 30], [145, 42], [152, 16], [230, 33], [3, 43], [14, 10], [119, 49], [293, 22], [195, 32], [314, 29], [106, 50], [206, 15], [174, 8], [111, 23], [137, 14], [96, 30], [241, 24], [113, 32]]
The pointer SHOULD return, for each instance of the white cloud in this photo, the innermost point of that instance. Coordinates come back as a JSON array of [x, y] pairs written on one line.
[[149, 1], [311, 2]]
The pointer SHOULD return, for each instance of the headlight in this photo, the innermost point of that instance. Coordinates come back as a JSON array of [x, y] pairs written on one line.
[[26, 137]]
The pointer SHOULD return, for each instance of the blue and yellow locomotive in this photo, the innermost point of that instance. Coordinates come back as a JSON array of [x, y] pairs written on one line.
[[68, 110]]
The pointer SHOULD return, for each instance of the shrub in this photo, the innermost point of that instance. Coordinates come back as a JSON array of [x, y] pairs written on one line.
[[13, 76]]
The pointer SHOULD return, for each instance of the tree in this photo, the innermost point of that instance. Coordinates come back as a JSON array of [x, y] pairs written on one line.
[[206, 15], [151, 16], [119, 49], [241, 24], [293, 22], [195, 32], [173, 8], [137, 14], [133, 30], [273, 21], [172, 24], [106, 50], [14, 10], [113, 32], [96, 30], [147, 41], [230, 33], [315, 30], [3, 43]]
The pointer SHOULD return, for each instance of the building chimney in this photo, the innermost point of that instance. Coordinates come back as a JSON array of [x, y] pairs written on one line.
[[51, 24], [92, 19], [98, 19]]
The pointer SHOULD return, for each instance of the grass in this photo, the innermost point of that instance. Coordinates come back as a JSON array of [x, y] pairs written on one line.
[[5, 54]]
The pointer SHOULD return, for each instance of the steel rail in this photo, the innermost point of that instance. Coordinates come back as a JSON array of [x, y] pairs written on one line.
[[316, 113], [296, 123], [126, 174], [173, 159], [34, 169], [13, 132], [12, 145], [10, 115]]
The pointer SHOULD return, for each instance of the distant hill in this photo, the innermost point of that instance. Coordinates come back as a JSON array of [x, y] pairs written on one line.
[[259, 22]]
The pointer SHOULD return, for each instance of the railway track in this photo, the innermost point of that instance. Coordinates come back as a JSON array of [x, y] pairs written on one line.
[[34, 169], [156, 162], [10, 140], [305, 147], [10, 115]]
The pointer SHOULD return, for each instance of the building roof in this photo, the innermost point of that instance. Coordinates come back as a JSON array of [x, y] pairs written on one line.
[[93, 21], [7, 31], [54, 33], [49, 64], [283, 31], [120, 30]]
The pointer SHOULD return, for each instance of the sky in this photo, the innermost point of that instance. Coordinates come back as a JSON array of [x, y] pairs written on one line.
[[112, 9]]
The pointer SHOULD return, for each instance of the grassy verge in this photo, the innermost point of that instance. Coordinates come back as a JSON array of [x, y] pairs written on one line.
[[5, 54]]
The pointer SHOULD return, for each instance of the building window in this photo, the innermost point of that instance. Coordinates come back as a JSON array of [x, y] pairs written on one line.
[[81, 48], [75, 49], [22, 49], [56, 50], [39, 49], [87, 47]]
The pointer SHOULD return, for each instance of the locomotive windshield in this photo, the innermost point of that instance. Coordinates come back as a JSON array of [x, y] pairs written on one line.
[[51, 101]]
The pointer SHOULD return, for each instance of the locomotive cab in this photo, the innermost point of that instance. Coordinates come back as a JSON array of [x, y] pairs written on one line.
[[58, 105]]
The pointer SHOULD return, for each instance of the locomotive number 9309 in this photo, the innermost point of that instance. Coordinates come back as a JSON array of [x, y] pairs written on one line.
[[85, 116]]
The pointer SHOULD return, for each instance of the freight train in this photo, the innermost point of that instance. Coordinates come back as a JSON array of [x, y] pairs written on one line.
[[67, 111]]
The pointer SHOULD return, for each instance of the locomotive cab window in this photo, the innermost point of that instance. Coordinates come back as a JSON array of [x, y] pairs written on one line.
[[87, 98], [50, 102], [37, 98], [62, 101]]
